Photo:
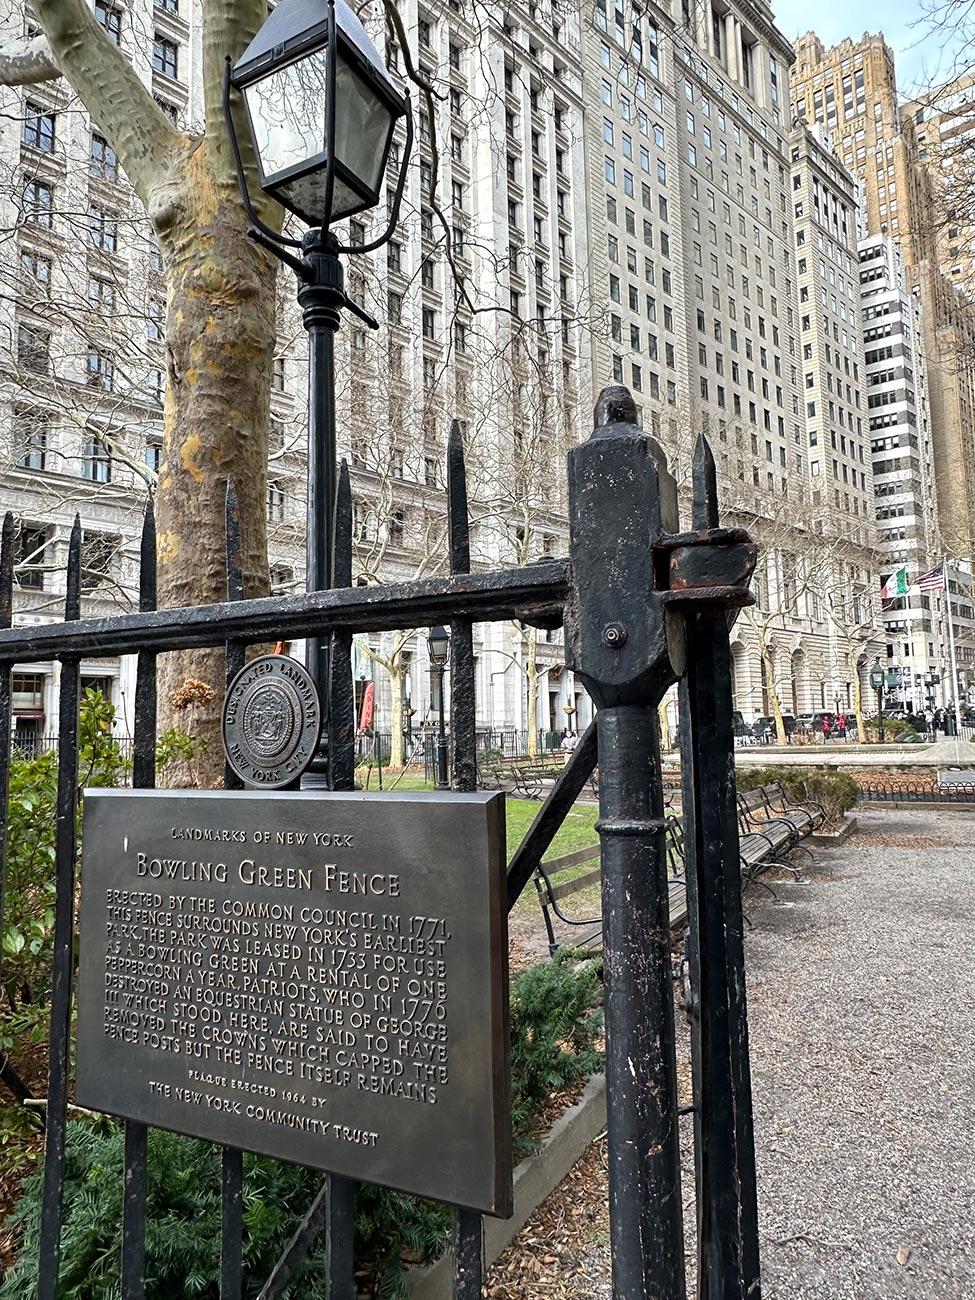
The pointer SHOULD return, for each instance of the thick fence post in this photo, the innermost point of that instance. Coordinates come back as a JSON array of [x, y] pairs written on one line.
[[626, 649], [135, 1179], [728, 1256], [232, 1159], [64, 869]]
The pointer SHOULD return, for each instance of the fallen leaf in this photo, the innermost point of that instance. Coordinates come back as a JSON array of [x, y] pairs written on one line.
[[903, 1255]]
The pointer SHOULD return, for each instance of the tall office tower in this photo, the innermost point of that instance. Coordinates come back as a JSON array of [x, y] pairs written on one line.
[[944, 119], [851, 88], [825, 212], [693, 262], [482, 299]]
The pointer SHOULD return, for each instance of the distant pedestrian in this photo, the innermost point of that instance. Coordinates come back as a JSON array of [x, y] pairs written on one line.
[[826, 728], [841, 725]]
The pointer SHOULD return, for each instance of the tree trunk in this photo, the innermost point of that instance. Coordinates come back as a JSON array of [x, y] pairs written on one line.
[[220, 332], [773, 695], [665, 737], [853, 655], [531, 672], [397, 671]]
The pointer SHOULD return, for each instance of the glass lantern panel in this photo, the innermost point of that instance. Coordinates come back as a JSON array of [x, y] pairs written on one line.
[[362, 126], [306, 196], [287, 110]]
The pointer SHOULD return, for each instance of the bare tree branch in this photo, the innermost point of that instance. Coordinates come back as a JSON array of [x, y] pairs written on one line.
[[146, 142], [27, 62]]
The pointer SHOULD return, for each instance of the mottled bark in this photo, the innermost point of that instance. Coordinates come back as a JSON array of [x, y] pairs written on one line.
[[220, 331], [220, 317]]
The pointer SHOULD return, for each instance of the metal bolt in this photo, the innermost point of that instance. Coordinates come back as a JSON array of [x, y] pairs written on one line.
[[614, 634]]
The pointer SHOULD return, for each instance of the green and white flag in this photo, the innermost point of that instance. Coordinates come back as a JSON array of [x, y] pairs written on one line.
[[896, 585]]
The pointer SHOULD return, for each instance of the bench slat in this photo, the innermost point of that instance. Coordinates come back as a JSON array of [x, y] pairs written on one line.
[[571, 860], [575, 886]]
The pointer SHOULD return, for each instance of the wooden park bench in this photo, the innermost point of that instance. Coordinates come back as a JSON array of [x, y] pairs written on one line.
[[557, 881], [531, 774], [769, 828]]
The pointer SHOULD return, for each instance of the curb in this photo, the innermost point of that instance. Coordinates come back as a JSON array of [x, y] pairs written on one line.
[[535, 1178], [849, 827]]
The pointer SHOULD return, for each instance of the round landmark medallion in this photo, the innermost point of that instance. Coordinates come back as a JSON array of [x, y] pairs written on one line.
[[271, 722]]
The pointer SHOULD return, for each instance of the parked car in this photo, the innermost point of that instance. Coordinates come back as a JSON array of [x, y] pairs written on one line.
[[804, 721], [763, 729]]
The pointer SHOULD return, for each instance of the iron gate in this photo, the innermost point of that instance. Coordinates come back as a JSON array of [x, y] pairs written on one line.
[[643, 605]]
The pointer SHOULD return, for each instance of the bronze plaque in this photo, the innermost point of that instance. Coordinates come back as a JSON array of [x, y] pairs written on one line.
[[318, 977]]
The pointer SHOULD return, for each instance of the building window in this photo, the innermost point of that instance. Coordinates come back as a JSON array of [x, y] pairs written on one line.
[[30, 439], [101, 294], [103, 229], [275, 502], [98, 558], [429, 323], [29, 560], [38, 130], [170, 6], [395, 309], [39, 203], [35, 274], [34, 349], [100, 372], [111, 19], [394, 256], [103, 161], [154, 321], [154, 455], [96, 463], [165, 56], [277, 375]]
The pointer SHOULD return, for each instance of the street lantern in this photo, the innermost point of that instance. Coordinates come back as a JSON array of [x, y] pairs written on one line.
[[438, 648], [438, 643], [878, 679], [321, 110]]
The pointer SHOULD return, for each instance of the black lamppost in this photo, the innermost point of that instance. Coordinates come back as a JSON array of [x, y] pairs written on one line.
[[877, 682], [438, 643], [321, 108]]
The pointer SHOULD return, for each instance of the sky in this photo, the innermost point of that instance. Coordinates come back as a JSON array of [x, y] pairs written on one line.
[[918, 53]]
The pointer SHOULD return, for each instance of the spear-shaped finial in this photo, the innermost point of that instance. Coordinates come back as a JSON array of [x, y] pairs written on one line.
[[704, 495]]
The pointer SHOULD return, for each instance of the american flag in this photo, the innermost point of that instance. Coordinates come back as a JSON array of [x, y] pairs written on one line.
[[933, 580]]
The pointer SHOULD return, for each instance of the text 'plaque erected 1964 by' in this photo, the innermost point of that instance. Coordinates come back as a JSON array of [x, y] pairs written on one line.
[[318, 977]]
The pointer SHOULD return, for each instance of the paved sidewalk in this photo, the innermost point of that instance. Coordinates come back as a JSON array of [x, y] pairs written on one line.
[[862, 1017]]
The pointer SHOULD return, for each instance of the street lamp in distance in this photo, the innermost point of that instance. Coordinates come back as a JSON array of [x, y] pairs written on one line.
[[877, 682], [320, 110], [438, 646]]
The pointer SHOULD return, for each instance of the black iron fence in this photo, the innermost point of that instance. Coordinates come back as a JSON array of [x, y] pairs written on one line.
[[643, 605]]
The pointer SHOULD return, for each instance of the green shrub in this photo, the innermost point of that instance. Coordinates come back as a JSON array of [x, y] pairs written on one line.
[[895, 729], [831, 787], [555, 1025]]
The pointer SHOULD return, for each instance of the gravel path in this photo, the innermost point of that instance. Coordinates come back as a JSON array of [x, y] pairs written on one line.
[[862, 1019]]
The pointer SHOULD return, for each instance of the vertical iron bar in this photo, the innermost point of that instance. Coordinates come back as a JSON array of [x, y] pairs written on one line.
[[6, 716], [728, 1248], [468, 1244], [463, 701], [646, 1217], [340, 1192], [64, 867], [468, 1230], [341, 690], [340, 1238], [135, 1183], [231, 1159]]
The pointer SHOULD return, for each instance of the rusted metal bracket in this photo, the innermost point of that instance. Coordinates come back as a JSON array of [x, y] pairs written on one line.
[[706, 568]]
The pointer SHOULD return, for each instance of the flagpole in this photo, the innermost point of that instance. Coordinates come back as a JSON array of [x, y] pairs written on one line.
[[951, 649]]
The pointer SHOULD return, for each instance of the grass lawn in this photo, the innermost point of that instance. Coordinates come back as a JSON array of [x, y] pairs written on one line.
[[576, 832]]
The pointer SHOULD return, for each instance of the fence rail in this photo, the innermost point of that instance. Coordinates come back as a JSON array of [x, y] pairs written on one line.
[[624, 519]]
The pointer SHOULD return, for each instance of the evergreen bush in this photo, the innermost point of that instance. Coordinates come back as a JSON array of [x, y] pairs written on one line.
[[555, 1029]]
